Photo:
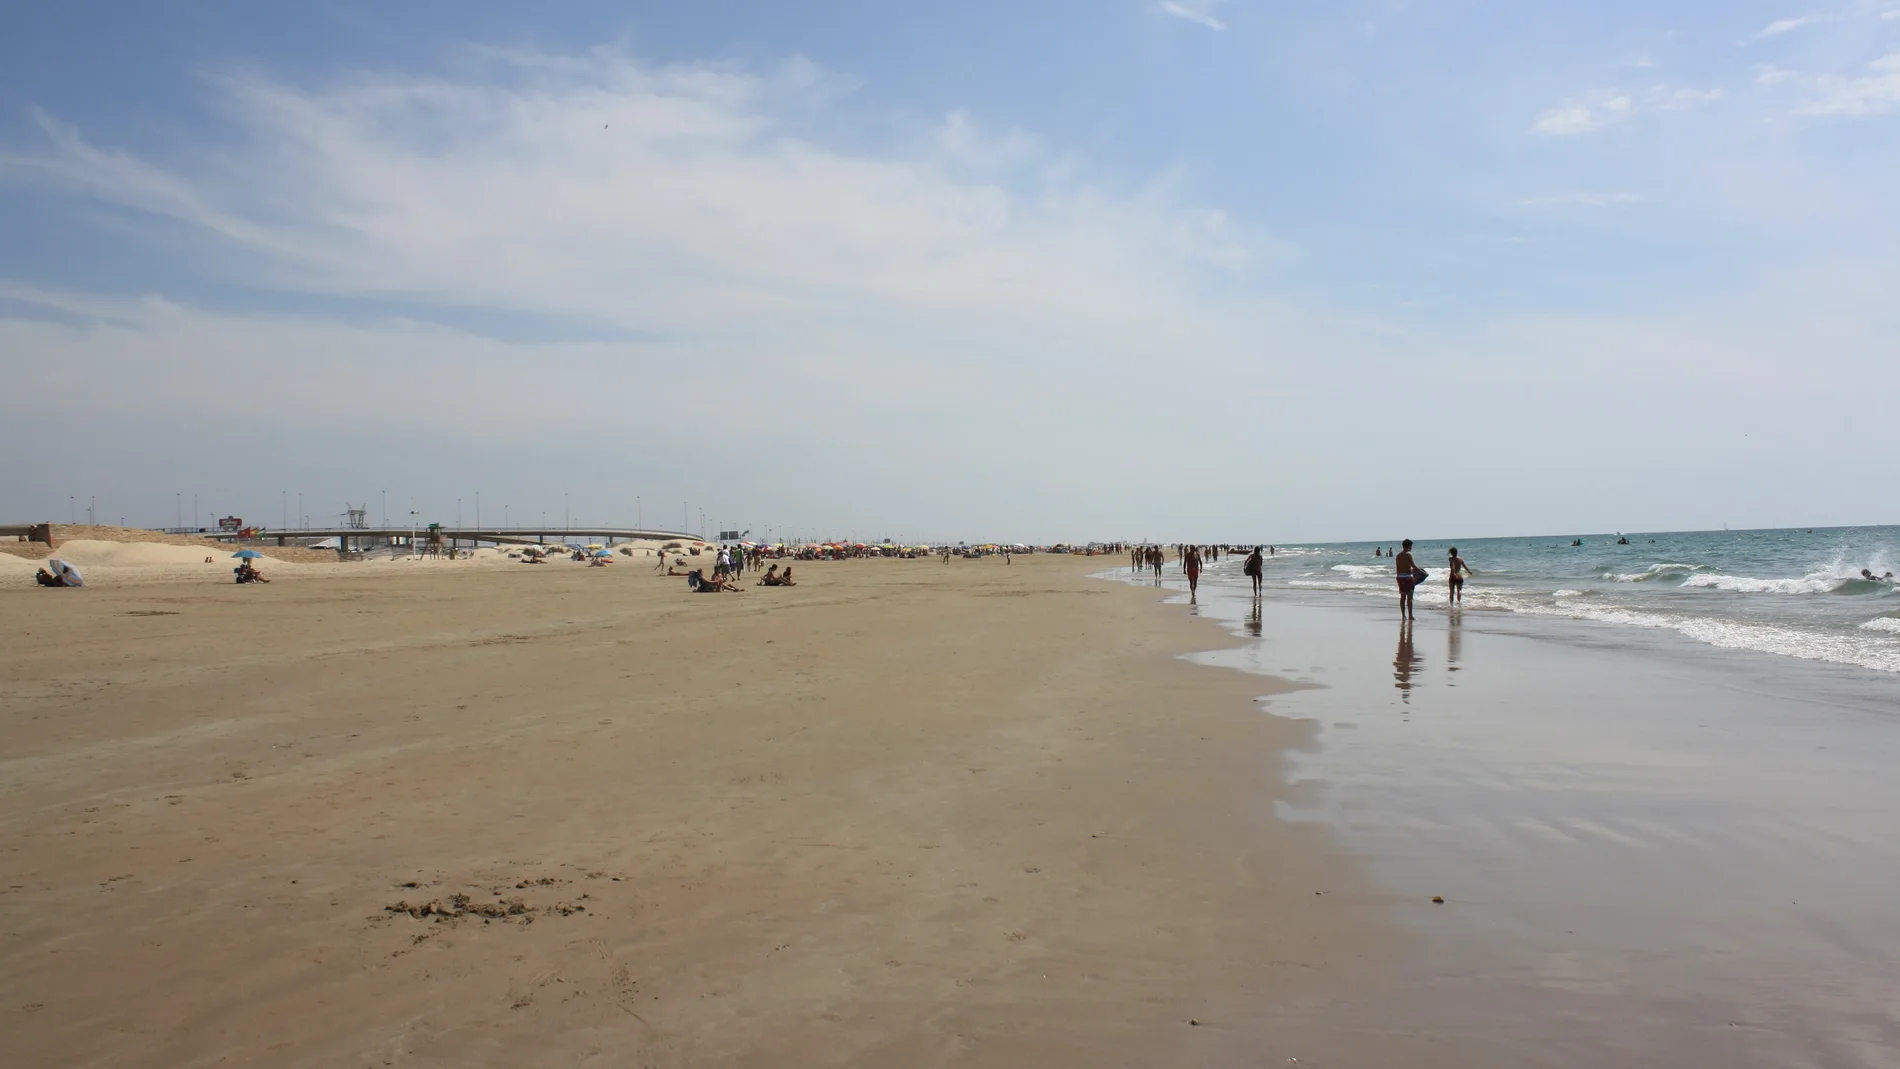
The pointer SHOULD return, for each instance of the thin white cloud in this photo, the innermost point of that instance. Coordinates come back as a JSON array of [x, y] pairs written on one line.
[[1667, 99], [1568, 120], [1201, 13], [1769, 74], [1873, 94], [1587, 200], [1781, 26], [1583, 117], [1596, 112]]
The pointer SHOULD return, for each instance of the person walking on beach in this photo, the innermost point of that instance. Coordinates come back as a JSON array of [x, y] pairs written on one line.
[[1191, 564], [1252, 569], [1455, 578], [1156, 558], [1407, 572]]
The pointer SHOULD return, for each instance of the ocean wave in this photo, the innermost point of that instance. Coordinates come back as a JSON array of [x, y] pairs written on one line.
[[1654, 571], [1868, 647], [1742, 584], [1570, 593], [1364, 571]]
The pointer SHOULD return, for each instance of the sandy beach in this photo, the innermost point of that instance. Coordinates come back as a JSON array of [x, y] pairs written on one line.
[[902, 814]]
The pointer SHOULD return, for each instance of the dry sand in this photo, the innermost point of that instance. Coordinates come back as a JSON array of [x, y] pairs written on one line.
[[902, 814]]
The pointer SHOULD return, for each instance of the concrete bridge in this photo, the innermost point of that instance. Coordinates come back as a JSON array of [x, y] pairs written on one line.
[[351, 537], [455, 536]]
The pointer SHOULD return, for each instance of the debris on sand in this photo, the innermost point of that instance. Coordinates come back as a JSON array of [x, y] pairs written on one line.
[[460, 905]]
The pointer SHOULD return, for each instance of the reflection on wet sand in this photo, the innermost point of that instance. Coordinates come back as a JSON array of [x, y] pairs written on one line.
[[1454, 641], [1253, 619], [1406, 662]]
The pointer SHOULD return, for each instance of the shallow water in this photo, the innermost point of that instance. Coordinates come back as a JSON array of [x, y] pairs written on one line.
[[1652, 850], [1794, 593]]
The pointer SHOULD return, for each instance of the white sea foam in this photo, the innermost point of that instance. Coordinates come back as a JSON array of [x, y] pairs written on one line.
[[1654, 571], [1876, 650], [1364, 571], [1569, 593], [1742, 584]]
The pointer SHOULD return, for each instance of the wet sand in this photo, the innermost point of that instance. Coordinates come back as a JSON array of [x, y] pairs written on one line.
[[1652, 853], [903, 814]]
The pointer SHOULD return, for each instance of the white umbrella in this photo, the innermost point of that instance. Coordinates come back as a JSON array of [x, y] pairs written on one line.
[[66, 573]]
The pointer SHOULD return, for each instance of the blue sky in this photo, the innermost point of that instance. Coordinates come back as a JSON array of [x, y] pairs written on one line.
[[1236, 269]]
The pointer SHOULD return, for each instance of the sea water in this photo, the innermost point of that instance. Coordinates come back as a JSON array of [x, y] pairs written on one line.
[[1796, 593]]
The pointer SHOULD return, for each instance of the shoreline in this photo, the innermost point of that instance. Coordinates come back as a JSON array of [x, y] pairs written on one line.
[[971, 814], [1650, 854]]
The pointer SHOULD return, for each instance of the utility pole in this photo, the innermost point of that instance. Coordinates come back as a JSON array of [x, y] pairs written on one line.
[[303, 521], [181, 509], [195, 514], [478, 508], [385, 508], [567, 519]]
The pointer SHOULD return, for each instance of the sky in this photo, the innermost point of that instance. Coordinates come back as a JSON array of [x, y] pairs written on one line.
[[1040, 270]]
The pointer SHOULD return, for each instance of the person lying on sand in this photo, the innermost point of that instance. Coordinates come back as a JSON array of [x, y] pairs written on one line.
[[699, 584]]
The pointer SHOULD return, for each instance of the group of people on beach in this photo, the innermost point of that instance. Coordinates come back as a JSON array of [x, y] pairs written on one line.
[[1193, 558], [1410, 575], [724, 581]]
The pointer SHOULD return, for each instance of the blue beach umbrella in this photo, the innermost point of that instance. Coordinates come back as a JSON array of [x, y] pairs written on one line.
[[247, 554], [602, 553]]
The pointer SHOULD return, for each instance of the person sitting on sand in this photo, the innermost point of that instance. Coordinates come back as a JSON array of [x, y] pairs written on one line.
[[771, 576], [248, 574], [699, 584], [785, 577], [46, 578]]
